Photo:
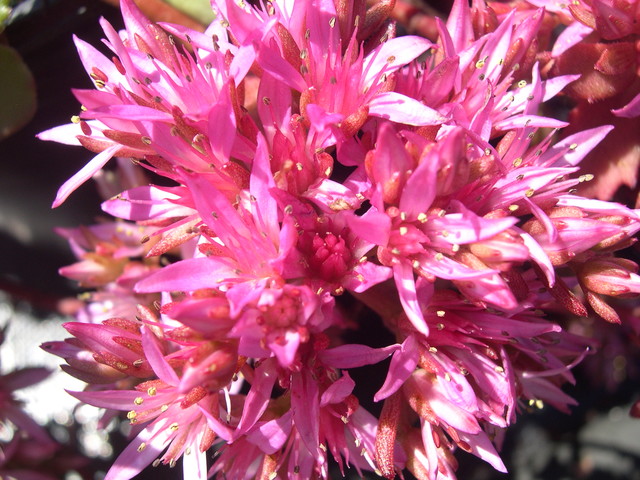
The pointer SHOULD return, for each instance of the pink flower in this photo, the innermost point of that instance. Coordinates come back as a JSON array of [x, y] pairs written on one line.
[[153, 99], [451, 212], [170, 408], [340, 84]]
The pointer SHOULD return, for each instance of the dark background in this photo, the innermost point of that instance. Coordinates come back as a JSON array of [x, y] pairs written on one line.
[[32, 170]]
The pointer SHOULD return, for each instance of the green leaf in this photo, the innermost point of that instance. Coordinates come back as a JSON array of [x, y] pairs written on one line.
[[199, 10], [5, 11], [17, 92]]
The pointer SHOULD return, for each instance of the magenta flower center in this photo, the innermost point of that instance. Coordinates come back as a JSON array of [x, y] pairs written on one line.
[[283, 313], [329, 258]]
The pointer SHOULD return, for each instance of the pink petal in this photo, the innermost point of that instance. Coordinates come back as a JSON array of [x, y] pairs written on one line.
[[491, 288], [366, 275], [132, 460], [521, 121], [270, 436], [132, 113], [448, 410], [220, 429], [257, 400], [261, 181], [24, 377], [400, 50], [459, 25], [66, 134], [403, 363], [273, 62], [194, 465], [582, 142], [570, 36], [441, 80], [91, 57], [338, 391], [278, 111], [156, 359], [222, 126], [305, 407], [114, 399], [482, 448], [402, 109], [406, 285], [188, 275], [420, 190], [373, 227], [353, 355], [84, 174], [144, 203], [539, 256], [630, 110], [467, 227], [285, 351]]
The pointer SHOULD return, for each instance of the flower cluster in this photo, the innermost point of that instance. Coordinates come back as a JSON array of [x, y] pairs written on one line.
[[298, 161]]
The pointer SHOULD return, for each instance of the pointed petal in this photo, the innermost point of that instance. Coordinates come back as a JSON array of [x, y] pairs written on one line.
[[280, 69], [575, 147], [338, 391], [114, 399], [270, 436], [257, 399], [482, 448], [188, 275], [569, 37], [459, 24], [66, 134], [194, 465], [354, 355], [392, 55], [84, 174], [136, 458], [405, 282], [305, 407], [403, 363], [144, 203], [630, 110], [402, 109], [265, 208], [156, 359]]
